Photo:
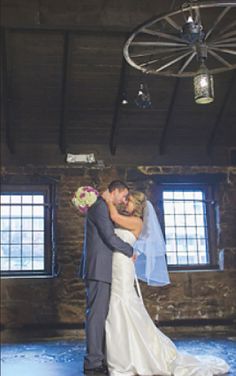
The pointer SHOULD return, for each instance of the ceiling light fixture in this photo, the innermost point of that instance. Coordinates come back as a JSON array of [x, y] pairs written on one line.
[[179, 44], [203, 86], [124, 99], [143, 99]]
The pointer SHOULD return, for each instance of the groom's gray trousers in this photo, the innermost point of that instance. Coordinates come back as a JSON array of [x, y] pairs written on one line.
[[100, 242], [98, 296]]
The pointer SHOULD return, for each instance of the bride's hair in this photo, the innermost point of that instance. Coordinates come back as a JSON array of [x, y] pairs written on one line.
[[140, 202]]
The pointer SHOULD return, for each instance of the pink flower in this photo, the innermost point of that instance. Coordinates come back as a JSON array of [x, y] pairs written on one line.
[[91, 189]]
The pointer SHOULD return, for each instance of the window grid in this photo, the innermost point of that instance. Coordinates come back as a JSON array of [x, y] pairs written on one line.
[[22, 232], [186, 229]]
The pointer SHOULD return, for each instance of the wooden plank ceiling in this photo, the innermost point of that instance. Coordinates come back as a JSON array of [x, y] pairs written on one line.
[[64, 74]]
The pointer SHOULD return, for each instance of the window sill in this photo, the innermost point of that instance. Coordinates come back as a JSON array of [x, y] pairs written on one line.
[[195, 270], [202, 268], [31, 276]]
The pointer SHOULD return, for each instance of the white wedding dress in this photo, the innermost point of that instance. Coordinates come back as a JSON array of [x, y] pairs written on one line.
[[134, 345]]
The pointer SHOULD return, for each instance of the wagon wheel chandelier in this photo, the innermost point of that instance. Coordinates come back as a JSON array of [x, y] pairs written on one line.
[[197, 40]]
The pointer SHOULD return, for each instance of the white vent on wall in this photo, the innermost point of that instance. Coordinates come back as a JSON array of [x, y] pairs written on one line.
[[80, 158]]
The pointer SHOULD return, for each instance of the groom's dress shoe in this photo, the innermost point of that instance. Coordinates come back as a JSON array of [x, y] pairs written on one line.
[[101, 370]]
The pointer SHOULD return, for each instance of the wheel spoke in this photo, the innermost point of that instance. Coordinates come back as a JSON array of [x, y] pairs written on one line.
[[225, 41], [226, 50], [223, 44], [220, 59], [226, 35], [162, 58], [159, 51], [149, 62], [173, 23], [219, 18], [162, 35], [187, 62], [228, 27], [173, 62], [163, 44]]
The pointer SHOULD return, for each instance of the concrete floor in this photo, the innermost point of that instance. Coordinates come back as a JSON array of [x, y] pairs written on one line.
[[65, 358]]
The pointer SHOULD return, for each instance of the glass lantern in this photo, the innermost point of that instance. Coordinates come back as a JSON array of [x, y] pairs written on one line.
[[203, 86]]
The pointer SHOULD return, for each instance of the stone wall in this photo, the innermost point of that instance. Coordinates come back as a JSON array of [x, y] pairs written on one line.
[[193, 296]]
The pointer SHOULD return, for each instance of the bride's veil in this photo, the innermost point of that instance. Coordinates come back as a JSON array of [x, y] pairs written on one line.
[[151, 264]]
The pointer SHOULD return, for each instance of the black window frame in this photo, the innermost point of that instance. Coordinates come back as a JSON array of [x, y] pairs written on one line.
[[209, 190], [29, 186]]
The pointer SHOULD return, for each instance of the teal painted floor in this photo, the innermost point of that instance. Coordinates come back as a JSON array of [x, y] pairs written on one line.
[[65, 358]]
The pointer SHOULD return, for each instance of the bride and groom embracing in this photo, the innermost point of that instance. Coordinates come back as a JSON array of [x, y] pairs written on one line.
[[121, 338]]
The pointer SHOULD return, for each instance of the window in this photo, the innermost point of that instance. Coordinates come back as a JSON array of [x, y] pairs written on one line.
[[189, 225], [27, 230]]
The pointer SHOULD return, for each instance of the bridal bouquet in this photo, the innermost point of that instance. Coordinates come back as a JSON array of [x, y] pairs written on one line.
[[84, 197]]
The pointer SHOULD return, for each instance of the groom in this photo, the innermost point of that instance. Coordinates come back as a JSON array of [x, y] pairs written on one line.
[[100, 242]]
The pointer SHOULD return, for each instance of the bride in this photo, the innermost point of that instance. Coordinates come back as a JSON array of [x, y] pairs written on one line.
[[134, 345]]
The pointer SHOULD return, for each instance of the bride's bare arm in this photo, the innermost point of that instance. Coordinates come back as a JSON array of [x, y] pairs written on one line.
[[129, 222]]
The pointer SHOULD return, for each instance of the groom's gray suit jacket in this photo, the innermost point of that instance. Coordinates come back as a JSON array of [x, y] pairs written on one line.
[[99, 243]]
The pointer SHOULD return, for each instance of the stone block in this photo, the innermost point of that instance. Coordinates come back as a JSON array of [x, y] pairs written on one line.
[[227, 259]]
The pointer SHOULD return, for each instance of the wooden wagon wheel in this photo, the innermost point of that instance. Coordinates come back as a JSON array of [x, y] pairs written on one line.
[[170, 44]]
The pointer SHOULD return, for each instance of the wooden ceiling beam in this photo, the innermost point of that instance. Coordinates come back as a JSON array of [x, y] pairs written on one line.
[[221, 113], [163, 140], [116, 115], [64, 91], [5, 90]]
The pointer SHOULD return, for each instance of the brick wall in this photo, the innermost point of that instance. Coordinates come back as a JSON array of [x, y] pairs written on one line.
[[192, 295]]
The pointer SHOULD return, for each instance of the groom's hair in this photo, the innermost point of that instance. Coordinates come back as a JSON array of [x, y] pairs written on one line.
[[117, 184]]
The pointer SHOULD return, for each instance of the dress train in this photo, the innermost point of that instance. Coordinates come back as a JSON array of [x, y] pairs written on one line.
[[134, 345]]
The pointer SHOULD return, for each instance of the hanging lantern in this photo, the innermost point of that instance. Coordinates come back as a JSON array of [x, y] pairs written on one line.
[[203, 86], [143, 98]]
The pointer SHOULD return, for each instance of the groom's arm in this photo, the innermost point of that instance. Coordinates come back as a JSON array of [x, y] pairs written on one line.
[[100, 217]]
